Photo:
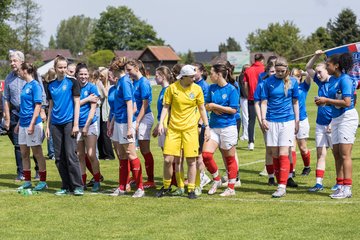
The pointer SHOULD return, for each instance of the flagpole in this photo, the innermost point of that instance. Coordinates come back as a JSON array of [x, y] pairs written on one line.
[[328, 50]]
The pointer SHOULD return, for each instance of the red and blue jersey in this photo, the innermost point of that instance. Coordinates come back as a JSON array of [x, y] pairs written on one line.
[[62, 93], [160, 102], [85, 91], [324, 115], [279, 105], [341, 87], [124, 92], [226, 96], [142, 92], [303, 91], [31, 94]]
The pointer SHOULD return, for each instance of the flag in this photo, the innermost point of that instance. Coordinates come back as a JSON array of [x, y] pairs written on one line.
[[354, 49]]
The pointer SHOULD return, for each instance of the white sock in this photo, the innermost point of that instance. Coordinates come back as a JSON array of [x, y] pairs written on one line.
[[319, 180]]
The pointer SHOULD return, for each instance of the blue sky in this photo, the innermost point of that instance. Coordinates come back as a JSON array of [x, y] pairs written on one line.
[[198, 24]]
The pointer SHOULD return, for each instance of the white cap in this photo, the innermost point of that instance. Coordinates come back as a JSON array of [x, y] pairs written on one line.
[[187, 70]]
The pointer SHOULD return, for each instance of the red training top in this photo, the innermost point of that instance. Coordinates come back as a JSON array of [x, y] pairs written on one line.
[[251, 76]]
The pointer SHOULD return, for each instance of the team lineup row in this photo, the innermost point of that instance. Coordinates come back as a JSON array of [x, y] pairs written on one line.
[[194, 119]]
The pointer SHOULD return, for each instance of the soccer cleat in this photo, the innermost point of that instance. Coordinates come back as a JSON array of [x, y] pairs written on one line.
[[192, 195], [117, 192], [228, 192], [238, 183], [139, 193], [280, 192], [178, 192], [263, 172], [251, 146], [198, 191], [79, 191], [306, 171], [271, 181], [96, 187], [26, 185], [318, 187], [294, 175], [224, 181], [41, 186], [204, 180], [347, 191], [214, 187], [19, 178], [162, 192], [91, 182], [62, 192], [291, 183], [336, 186], [149, 184]]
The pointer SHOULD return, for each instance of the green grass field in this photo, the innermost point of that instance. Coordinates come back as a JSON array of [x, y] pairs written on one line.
[[251, 214]]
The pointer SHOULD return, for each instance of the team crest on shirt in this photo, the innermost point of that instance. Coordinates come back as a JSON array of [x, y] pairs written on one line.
[[27, 91], [86, 93], [224, 96], [192, 96], [64, 87]]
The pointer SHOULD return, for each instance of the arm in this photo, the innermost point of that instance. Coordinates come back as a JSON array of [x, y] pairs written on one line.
[[89, 119], [263, 110], [343, 103], [164, 112], [205, 120], [47, 133], [310, 64], [145, 105], [7, 114], [308, 79], [296, 112], [258, 113], [219, 108], [34, 117], [91, 98], [130, 114], [76, 116]]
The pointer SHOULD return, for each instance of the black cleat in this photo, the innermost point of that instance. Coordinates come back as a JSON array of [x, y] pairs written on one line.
[[271, 181], [162, 192], [291, 183], [306, 171], [91, 182], [192, 195]]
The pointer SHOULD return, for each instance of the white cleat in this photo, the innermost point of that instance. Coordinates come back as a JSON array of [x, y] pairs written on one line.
[[228, 192]]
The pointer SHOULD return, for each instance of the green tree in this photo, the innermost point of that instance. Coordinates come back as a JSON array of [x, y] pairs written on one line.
[[27, 19], [8, 39], [283, 39], [120, 29], [230, 45], [101, 58], [322, 36], [74, 33], [52, 43], [187, 58], [344, 29]]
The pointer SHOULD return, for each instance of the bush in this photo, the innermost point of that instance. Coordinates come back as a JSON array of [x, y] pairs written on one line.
[[101, 58]]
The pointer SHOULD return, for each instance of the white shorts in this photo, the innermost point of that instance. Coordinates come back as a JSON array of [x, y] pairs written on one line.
[[322, 136], [161, 140], [226, 137], [34, 139], [145, 126], [93, 130], [343, 128], [304, 129], [120, 131], [280, 134]]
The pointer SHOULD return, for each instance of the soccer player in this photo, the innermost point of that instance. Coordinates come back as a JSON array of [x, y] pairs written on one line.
[[30, 126], [144, 116], [323, 129], [345, 119], [185, 99], [63, 119], [223, 102], [280, 118], [88, 132], [122, 131], [269, 71]]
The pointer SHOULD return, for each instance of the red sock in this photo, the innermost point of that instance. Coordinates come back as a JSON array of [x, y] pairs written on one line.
[[149, 166], [276, 168], [210, 164], [347, 181], [270, 168], [293, 155], [306, 159], [284, 163], [27, 175], [129, 170], [232, 170], [320, 173], [97, 177], [84, 178], [136, 172], [173, 177], [339, 181], [123, 174], [88, 164], [42, 176]]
